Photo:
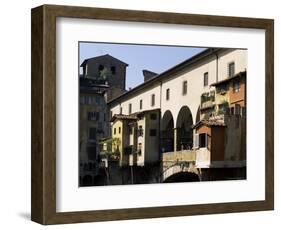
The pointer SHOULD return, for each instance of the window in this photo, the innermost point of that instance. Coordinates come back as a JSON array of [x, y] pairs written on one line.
[[167, 94], [114, 131], [184, 88], [119, 129], [236, 86], [93, 116], [92, 133], [101, 67], [120, 112], [202, 140], [152, 132], [231, 69], [98, 101], [131, 130], [153, 116], [140, 104], [130, 108], [206, 76], [139, 148], [89, 100], [140, 131], [113, 69], [152, 99]]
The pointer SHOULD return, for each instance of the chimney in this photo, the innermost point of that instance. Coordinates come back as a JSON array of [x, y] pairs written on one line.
[[148, 74]]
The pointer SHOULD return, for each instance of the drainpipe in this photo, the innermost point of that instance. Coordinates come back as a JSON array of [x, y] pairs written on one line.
[[217, 66]]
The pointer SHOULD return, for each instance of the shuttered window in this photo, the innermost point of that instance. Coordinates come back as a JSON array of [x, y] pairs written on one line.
[[231, 69]]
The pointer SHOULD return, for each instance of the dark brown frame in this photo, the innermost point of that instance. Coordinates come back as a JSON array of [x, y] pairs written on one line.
[[43, 202]]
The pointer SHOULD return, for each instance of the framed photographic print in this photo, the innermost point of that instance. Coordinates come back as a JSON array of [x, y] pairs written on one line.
[[140, 114]]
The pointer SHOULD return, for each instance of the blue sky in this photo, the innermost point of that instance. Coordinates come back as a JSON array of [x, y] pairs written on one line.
[[139, 57]]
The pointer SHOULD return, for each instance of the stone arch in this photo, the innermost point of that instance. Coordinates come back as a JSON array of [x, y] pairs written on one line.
[[167, 132], [182, 177], [184, 129]]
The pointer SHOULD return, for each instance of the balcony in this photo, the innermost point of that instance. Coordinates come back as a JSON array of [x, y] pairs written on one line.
[[208, 100], [201, 157]]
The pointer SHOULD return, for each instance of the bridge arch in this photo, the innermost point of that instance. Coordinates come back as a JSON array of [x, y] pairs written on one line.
[[177, 173], [184, 129], [167, 132]]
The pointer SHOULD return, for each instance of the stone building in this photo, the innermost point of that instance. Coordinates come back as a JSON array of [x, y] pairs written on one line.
[[185, 96], [108, 69], [93, 125], [103, 79], [138, 137]]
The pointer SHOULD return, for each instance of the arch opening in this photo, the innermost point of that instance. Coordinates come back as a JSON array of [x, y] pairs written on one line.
[[182, 177], [167, 132], [184, 129]]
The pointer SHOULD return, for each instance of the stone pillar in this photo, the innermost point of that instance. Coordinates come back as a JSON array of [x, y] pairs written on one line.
[[175, 139]]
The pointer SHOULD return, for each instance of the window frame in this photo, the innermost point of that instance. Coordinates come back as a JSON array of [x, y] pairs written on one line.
[[167, 94], [184, 87], [228, 69], [152, 100], [206, 79]]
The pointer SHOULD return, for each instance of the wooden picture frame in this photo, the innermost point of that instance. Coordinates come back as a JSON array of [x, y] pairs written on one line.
[[43, 208]]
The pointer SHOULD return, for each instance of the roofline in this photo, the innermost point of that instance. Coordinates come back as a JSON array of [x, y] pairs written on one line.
[[134, 114], [201, 122], [86, 60], [173, 70], [240, 74]]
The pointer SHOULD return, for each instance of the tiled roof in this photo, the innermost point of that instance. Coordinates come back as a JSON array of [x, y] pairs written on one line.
[[123, 117], [208, 123], [240, 74], [170, 72], [133, 116]]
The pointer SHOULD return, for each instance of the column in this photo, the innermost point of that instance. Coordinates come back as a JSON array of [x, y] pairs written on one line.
[[175, 139]]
